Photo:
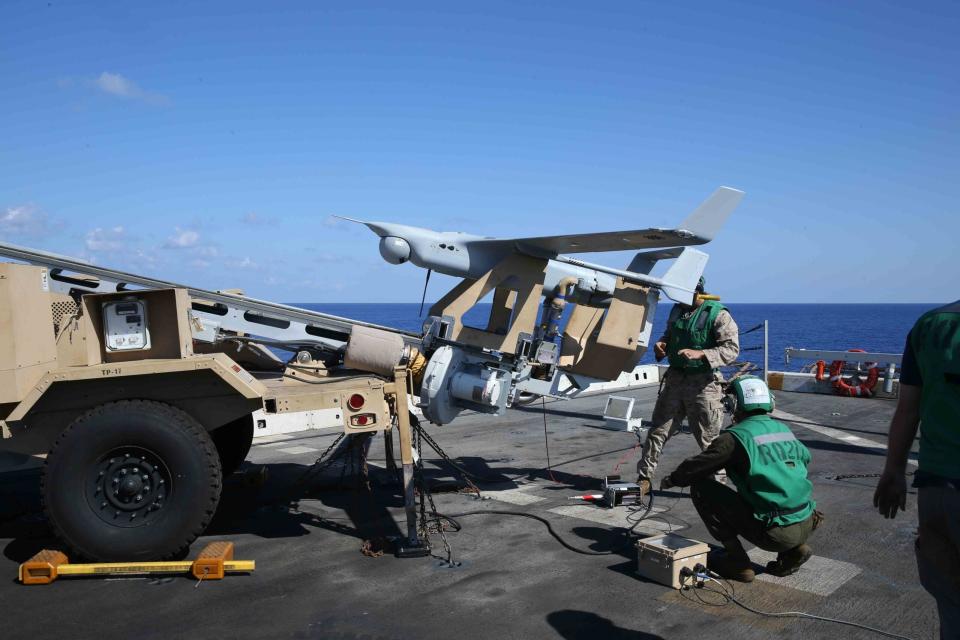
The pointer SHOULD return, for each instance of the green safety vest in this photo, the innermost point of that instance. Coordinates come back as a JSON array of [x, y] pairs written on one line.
[[692, 330], [935, 340], [776, 485]]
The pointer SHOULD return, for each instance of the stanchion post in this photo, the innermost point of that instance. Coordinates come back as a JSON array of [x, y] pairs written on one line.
[[766, 351]]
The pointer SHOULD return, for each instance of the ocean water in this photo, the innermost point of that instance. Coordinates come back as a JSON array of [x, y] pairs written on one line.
[[872, 327]]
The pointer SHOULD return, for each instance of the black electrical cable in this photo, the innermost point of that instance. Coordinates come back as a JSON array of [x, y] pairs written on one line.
[[451, 518], [646, 512], [546, 440], [649, 509], [456, 525], [544, 521], [628, 531], [730, 596]]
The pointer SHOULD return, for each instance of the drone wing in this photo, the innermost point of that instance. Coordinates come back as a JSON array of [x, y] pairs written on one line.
[[700, 227]]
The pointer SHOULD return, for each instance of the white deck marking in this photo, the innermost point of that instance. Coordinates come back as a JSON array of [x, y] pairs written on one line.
[[519, 495], [820, 576], [836, 434], [297, 450], [616, 517]]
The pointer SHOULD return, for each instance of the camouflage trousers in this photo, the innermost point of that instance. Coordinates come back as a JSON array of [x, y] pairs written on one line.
[[694, 396]]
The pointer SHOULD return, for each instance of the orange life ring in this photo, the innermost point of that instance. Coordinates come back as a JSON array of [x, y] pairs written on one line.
[[842, 387], [821, 365]]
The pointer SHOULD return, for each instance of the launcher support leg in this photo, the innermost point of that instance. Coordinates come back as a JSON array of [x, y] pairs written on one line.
[[388, 449], [412, 547]]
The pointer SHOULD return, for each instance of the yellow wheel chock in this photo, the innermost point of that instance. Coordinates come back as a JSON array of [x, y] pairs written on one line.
[[213, 562]]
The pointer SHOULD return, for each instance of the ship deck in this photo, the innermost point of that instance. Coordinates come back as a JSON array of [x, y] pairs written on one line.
[[511, 579]]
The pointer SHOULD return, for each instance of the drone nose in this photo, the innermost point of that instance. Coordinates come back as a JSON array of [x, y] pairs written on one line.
[[394, 250]]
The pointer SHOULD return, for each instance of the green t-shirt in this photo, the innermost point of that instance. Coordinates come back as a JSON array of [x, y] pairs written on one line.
[[935, 341]]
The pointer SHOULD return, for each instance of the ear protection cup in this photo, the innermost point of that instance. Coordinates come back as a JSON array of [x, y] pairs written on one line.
[[733, 390], [729, 403]]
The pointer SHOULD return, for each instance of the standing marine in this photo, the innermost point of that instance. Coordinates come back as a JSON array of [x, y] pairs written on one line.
[[773, 505], [698, 340]]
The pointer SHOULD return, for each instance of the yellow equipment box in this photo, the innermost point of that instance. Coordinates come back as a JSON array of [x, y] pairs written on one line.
[[661, 558]]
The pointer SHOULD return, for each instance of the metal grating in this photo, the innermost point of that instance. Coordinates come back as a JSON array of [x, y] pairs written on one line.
[[62, 312]]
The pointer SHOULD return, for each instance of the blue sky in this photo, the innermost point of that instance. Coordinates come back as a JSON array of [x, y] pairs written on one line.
[[209, 143]]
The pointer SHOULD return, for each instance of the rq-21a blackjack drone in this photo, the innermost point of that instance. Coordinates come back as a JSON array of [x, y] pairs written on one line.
[[522, 349]]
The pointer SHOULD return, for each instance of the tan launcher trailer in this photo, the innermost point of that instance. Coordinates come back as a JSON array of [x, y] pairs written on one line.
[[139, 422]]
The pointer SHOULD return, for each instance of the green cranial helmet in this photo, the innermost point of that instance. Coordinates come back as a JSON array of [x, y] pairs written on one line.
[[750, 394]]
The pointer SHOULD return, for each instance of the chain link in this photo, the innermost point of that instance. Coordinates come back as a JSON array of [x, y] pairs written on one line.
[[421, 432], [319, 464], [424, 491], [363, 474], [850, 476], [426, 526]]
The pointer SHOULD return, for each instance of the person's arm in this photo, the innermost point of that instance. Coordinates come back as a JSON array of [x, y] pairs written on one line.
[[891, 493], [727, 336], [715, 457], [660, 346]]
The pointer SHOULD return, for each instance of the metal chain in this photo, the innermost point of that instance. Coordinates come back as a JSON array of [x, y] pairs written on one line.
[[425, 493], [322, 462], [421, 433], [363, 474], [850, 476], [319, 464], [343, 469], [351, 461], [419, 484], [440, 527]]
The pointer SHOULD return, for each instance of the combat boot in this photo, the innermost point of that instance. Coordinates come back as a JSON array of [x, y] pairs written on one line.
[[732, 566], [789, 562], [644, 486]]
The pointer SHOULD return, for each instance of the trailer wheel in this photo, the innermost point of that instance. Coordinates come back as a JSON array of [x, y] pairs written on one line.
[[131, 481], [233, 441]]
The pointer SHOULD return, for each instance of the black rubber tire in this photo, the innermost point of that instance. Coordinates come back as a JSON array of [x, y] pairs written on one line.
[[233, 441], [165, 433]]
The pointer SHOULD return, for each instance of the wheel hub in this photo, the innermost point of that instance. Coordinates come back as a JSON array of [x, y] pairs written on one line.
[[129, 486]]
